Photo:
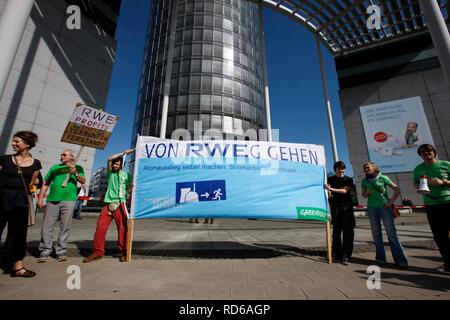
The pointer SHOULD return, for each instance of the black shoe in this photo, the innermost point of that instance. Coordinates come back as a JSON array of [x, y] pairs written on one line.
[[345, 261]]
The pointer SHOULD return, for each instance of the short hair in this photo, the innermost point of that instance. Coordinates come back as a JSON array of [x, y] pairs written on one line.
[[414, 123], [29, 137], [375, 167], [339, 164], [72, 153], [117, 160], [426, 147]]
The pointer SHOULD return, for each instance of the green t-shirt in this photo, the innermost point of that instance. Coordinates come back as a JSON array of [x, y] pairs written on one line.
[[117, 186], [440, 169], [377, 199], [56, 176]]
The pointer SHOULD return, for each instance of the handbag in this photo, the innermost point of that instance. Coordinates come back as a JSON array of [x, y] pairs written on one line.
[[31, 215], [112, 207], [394, 208]]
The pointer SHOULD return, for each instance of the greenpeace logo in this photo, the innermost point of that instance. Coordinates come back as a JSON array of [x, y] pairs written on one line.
[[311, 212], [308, 213]]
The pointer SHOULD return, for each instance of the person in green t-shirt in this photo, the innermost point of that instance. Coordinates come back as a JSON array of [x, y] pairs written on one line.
[[119, 186], [60, 203], [379, 207], [437, 202]]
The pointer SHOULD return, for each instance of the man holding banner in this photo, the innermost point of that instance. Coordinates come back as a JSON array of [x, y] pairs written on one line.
[[119, 183], [60, 204]]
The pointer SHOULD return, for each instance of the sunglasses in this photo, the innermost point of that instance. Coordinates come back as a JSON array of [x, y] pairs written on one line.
[[64, 154]]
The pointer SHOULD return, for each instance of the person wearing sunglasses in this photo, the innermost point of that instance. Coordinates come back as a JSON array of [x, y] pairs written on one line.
[[437, 202], [60, 204]]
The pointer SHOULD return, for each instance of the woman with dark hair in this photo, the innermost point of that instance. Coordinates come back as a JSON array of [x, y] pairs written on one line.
[[379, 207], [13, 196], [437, 202]]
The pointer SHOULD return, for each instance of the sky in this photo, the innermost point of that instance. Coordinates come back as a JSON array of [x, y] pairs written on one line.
[[296, 97]]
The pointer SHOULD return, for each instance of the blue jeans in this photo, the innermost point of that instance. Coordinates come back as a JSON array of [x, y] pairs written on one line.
[[77, 209], [375, 215]]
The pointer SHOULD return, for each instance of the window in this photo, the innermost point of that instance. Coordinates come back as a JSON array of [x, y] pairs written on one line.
[[216, 122], [196, 65], [206, 83], [198, 35], [237, 107], [217, 103], [181, 121], [196, 49], [227, 86], [206, 65], [245, 110], [172, 104], [207, 50], [185, 66], [182, 103], [236, 89], [205, 102], [218, 36], [217, 51], [227, 38], [207, 35], [228, 53], [217, 67], [206, 121], [217, 84], [209, 21], [227, 124], [184, 83], [174, 85], [195, 82], [198, 20], [228, 68], [187, 48], [176, 67], [187, 35], [227, 104], [194, 102]]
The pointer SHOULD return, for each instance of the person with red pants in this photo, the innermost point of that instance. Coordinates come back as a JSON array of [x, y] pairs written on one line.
[[119, 183]]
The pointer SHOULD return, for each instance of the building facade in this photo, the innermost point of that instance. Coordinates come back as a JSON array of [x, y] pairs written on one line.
[[55, 68], [211, 68], [402, 68], [99, 183]]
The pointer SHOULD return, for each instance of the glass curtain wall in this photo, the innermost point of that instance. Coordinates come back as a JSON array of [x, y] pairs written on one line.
[[217, 73]]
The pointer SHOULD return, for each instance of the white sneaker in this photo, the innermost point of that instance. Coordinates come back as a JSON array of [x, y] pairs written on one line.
[[443, 269]]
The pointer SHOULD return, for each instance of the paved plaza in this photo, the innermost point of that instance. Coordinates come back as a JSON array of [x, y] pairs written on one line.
[[232, 259]]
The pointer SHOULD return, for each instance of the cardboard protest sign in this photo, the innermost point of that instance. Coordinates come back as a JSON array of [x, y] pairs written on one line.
[[89, 127]]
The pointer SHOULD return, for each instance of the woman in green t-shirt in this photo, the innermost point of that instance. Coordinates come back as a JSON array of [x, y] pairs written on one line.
[[379, 207], [437, 202]]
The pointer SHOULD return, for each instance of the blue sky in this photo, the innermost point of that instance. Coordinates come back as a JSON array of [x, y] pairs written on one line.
[[297, 103]]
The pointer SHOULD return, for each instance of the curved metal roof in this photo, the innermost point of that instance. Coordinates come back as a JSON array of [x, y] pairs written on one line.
[[342, 26]]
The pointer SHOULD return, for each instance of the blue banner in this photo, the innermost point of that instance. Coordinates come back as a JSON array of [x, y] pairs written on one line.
[[228, 179]]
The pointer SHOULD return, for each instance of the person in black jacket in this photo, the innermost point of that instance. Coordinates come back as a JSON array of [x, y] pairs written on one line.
[[342, 215]]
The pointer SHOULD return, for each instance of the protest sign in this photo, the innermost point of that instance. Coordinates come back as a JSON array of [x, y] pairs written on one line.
[[89, 127], [228, 179]]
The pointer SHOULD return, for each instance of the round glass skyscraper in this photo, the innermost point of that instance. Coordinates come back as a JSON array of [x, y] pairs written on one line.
[[203, 59]]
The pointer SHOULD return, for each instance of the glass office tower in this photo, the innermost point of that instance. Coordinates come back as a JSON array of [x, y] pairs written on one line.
[[214, 63]]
